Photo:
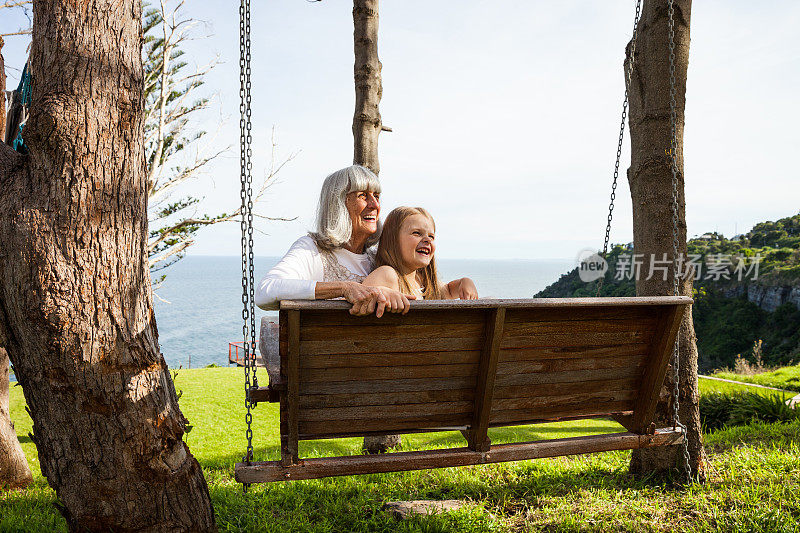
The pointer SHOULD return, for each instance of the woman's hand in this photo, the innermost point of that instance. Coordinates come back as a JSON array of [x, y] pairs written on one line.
[[464, 289], [365, 299], [396, 302]]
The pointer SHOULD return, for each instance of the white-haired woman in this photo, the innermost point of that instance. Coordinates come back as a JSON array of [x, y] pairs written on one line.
[[332, 261]]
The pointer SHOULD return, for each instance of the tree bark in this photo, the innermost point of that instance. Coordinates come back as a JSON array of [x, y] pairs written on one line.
[[650, 179], [367, 74], [75, 302], [14, 470], [367, 125]]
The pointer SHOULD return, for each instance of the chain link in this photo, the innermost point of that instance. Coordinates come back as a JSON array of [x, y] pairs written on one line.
[[246, 194], [673, 122], [628, 75]]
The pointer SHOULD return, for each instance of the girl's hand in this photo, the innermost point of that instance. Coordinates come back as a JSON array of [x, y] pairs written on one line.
[[396, 302], [465, 290]]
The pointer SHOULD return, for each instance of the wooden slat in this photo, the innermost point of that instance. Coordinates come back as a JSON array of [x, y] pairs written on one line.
[[565, 352], [566, 402], [486, 303], [477, 437], [406, 333], [340, 317], [381, 412], [516, 329], [317, 401], [656, 369], [289, 454], [609, 313], [319, 429], [347, 346], [511, 415], [264, 394], [571, 376], [388, 385], [562, 389], [551, 419], [390, 359], [313, 375], [577, 338], [283, 341], [558, 365], [403, 461]]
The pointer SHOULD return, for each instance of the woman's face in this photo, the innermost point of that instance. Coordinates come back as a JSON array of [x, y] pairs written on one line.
[[364, 208], [416, 241]]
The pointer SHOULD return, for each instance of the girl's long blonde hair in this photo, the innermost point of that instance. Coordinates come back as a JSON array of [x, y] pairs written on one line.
[[389, 252]]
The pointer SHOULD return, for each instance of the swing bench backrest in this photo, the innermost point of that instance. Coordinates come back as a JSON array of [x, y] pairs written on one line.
[[468, 366]]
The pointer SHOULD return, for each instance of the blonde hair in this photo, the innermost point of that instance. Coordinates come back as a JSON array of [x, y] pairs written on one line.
[[389, 252], [333, 226]]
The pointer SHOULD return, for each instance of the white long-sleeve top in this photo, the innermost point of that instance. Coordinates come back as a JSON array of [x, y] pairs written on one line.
[[296, 275]]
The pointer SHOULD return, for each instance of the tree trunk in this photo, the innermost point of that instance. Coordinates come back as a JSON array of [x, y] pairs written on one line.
[[14, 470], [367, 125], [650, 179], [367, 73], [76, 313], [2, 93]]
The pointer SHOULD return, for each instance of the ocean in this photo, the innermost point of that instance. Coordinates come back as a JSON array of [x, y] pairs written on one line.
[[199, 306]]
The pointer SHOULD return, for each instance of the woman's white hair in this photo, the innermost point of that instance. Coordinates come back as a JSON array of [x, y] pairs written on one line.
[[333, 225]]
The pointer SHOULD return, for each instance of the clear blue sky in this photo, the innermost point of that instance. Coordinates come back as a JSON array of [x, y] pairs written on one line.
[[505, 116]]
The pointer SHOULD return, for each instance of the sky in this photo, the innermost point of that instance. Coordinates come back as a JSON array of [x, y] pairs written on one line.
[[505, 117]]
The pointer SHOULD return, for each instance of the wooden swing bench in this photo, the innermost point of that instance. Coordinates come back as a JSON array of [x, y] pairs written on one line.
[[468, 366]]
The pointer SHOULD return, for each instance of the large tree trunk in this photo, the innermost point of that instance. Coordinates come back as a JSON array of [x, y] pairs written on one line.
[[75, 306], [650, 179], [14, 470], [367, 124]]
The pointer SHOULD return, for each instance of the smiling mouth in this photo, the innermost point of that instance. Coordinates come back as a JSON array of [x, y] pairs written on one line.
[[423, 251], [369, 218]]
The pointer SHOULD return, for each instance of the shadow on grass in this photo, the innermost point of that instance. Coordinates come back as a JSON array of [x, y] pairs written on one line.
[[354, 503]]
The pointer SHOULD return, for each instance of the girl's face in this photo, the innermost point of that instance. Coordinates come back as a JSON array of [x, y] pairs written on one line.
[[416, 241]]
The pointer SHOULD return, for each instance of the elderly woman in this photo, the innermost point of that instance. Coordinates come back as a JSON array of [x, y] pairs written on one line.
[[333, 261]]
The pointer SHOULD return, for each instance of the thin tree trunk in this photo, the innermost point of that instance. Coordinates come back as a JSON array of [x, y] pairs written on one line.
[[367, 73], [2, 93], [14, 470], [650, 179], [367, 125], [75, 303]]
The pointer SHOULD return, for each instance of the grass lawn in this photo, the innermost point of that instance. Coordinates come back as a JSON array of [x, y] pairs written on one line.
[[754, 479], [787, 378]]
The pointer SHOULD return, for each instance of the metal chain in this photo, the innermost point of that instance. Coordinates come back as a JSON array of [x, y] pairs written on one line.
[[250, 254], [673, 122], [628, 75], [245, 153]]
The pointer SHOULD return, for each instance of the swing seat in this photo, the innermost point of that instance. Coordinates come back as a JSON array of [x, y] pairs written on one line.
[[469, 366]]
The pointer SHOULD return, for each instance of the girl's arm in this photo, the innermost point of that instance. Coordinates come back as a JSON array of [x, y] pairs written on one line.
[[383, 276], [463, 289], [387, 278]]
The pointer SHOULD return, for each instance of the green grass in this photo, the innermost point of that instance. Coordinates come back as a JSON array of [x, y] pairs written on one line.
[[786, 378], [753, 479]]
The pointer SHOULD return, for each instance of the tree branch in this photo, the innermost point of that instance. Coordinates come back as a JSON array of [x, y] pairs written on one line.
[[15, 3]]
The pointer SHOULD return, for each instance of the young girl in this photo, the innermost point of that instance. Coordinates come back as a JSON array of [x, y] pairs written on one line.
[[405, 259]]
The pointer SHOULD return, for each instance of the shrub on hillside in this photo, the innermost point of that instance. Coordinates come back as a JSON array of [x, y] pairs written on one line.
[[720, 409]]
